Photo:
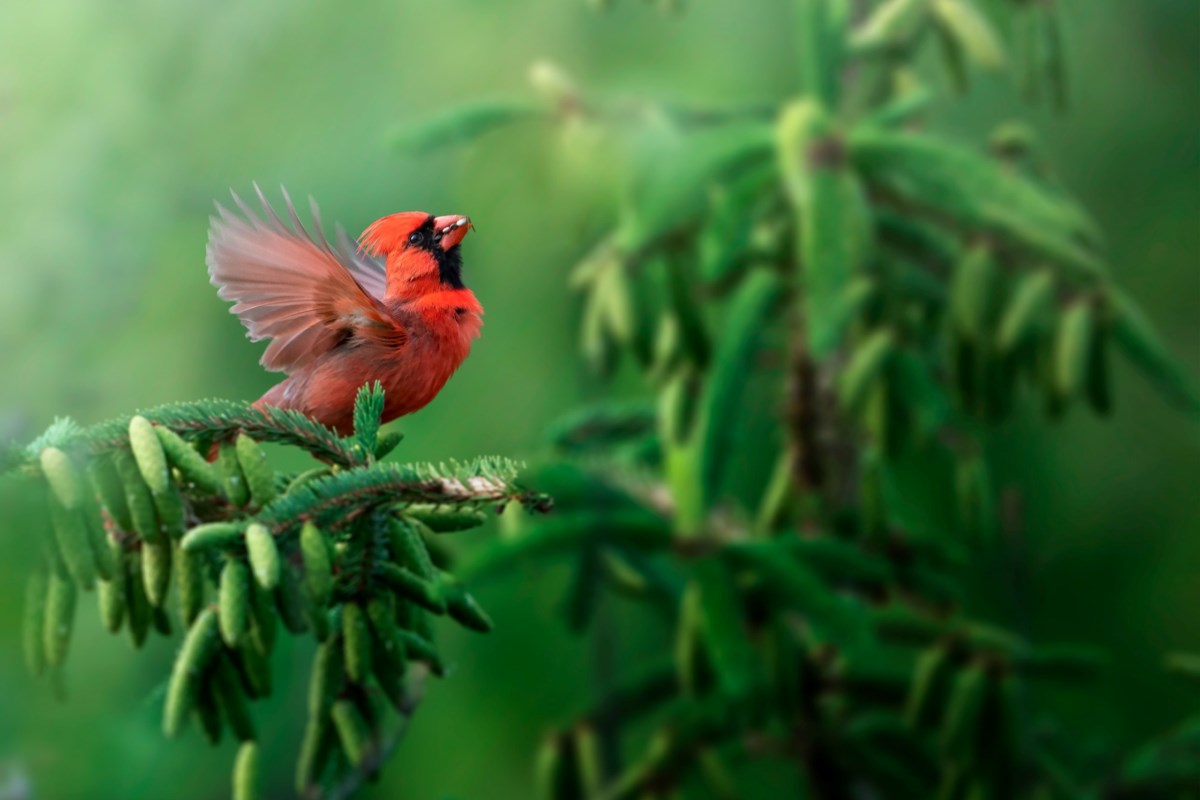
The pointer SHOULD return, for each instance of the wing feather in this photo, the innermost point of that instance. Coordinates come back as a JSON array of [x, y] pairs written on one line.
[[300, 291]]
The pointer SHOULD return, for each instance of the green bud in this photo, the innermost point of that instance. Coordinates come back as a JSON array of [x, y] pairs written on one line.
[[71, 533], [291, 600], [137, 497], [189, 569], [232, 699], [111, 597], [408, 549], [264, 556], [865, 367], [234, 601], [36, 591], [325, 681], [357, 642], [463, 607], [1031, 303], [138, 610], [929, 682], [106, 483], [260, 478], [318, 566], [60, 620], [256, 670], [421, 649], [315, 750], [62, 476], [961, 732], [230, 470], [199, 646], [102, 554], [208, 713], [171, 514], [193, 467], [263, 620], [448, 521], [1072, 348], [156, 571], [245, 773], [148, 452], [352, 731], [212, 536], [406, 584]]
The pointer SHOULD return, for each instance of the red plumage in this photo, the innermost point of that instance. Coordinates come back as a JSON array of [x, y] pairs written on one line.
[[337, 317]]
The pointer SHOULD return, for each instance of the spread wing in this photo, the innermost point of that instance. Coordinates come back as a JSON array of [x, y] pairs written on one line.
[[303, 293]]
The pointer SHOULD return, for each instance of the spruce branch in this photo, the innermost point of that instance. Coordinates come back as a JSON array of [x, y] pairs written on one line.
[[223, 419], [137, 506]]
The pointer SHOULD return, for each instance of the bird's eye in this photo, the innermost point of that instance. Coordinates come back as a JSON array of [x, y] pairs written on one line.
[[416, 238]]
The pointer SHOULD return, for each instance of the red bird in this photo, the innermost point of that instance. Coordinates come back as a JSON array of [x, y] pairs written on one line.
[[394, 310]]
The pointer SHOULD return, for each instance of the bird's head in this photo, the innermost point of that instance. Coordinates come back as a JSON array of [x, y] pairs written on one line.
[[419, 248]]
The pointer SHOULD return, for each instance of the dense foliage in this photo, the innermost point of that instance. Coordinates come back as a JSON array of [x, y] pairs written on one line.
[[901, 294]]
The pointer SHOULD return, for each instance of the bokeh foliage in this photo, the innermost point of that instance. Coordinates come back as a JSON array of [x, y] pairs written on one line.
[[913, 292], [119, 129]]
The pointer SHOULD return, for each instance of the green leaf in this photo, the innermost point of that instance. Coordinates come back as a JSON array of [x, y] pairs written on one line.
[[832, 218], [1028, 310], [246, 780], [556, 771], [890, 22], [867, 363], [795, 585], [725, 393], [930, 682], [972, 292], [1072, 348], [724, 628], [672, 198], [973, 190], [971, 30], [634, 529], [924, 396], [1135, 335], [961, 731], [463, 125], [822, 29]]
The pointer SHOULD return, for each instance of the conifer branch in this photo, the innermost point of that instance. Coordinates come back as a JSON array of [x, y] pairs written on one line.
[[136, 506]]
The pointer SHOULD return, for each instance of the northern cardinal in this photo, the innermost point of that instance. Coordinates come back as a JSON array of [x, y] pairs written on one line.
[[392, 310]]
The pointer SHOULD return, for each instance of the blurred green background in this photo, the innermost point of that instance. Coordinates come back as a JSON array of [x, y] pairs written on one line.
[[120, 123]]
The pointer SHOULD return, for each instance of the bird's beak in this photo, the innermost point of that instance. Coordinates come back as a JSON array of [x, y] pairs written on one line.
[[450, 230]]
